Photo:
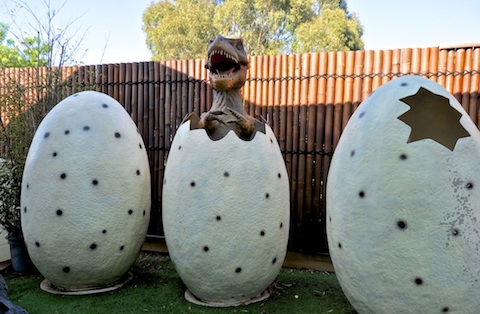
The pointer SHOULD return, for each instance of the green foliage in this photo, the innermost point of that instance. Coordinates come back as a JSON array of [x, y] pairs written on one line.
[[17, 128], [10, 179], [182, 28], [331, 31], [30, 53]]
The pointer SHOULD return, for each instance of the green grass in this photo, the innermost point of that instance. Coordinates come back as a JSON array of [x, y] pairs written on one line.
[[156, 288]]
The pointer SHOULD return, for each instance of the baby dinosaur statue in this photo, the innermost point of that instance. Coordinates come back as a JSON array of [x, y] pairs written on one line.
[[227, 62]]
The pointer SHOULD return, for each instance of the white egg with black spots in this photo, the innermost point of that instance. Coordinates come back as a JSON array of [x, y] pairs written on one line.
[[226, 214], [85, 193], [403, 202]]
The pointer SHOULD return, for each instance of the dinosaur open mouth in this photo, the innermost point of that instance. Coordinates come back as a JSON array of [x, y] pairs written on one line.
[[222, 63]]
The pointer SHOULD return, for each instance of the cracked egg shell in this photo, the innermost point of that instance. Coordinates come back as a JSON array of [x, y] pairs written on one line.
[[403, 202], [85, 201], [226, 213]]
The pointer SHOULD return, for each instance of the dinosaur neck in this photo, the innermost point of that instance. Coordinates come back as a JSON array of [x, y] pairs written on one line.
[[227, 99]]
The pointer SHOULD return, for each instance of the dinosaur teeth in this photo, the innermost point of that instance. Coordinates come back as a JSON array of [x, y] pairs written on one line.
[[223, 53]]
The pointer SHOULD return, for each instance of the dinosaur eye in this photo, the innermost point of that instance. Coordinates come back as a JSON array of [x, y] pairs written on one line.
[[239, 45]]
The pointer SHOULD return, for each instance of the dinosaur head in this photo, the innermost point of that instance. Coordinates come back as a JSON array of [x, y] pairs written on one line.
[[227, 62]]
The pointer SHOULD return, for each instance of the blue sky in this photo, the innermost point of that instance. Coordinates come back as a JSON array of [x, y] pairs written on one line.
[[113, 28]]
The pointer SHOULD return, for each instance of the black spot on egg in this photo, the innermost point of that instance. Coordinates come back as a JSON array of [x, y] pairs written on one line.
[[179, 147], [144, 212], [401, 224], [66, 132], [122, 247], [404, 84], [455, 232], [418, 281], [54, 154], [279, 175], [192, 184], [238, 270], [63, 176], [66, 269], [93, 246], [271, 140], [117, 135], [95, 182], [445, 309], [226, 174], [361, 115], [361, 194], [25, 209], [75, 95], [104, 105], [104, 231], [281, 225], [469, 185], [206, 248], [262, 233], [352, 153], [218, 218], [86, 128], [47, 134], [138, 172], [37, 244], [339, 245], [140, 145], [130, 211], [59, 212], [267, 195], [403, 157], [274, 260]]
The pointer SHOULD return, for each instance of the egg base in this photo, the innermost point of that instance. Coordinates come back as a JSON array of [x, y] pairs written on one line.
[[47, 286], [227, 303]]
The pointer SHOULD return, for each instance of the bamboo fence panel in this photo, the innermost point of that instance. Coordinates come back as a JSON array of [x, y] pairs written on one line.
[[307, 99], [320, 170], [377, 68], [251, 86], [309, 204], [474, 93], [283, 104], [348, 88], [357, 78], [433, 64]]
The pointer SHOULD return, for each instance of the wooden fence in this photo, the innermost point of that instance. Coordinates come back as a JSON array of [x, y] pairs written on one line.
[[306, 98]]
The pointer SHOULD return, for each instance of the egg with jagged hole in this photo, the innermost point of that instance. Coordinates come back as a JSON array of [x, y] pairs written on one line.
[[85, 201], [226, 214], [403, 202]]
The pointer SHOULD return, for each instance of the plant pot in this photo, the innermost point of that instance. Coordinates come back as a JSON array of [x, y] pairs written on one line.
[[21, 261]]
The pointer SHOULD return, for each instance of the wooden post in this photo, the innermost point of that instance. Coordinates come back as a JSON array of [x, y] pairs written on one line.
[[459, 61], [474, 86], [283, 71], [358, 81], [433, 64], [348, 89], [442, 68], [377, 69], [467, 77], [387, 66]]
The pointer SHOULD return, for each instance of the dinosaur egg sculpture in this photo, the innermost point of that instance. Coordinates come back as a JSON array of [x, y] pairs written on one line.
[[85, 195], [226, 214], [403, 202]]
